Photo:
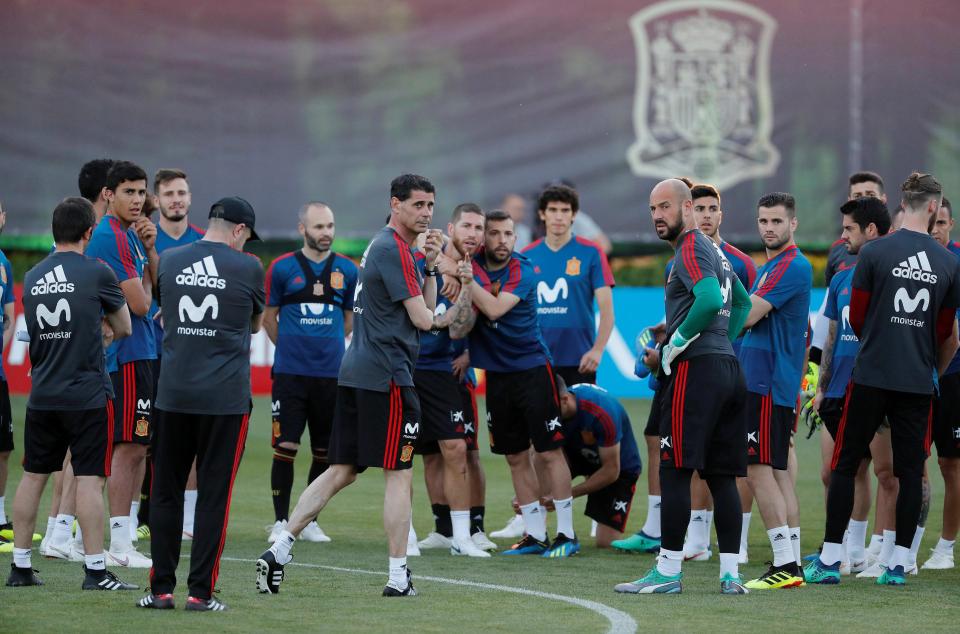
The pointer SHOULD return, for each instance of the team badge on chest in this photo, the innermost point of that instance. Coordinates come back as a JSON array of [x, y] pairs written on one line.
[[573, 266], [317, 289], [336, 281]]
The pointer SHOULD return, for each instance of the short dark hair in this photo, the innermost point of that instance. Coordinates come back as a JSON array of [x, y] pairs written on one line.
[[496, 215], [124, 171], [464, 208], [72, 218], [946, 203], [866, 177], [165, 175], [867, 210], [700, 191], [559, 194], [779, 198], [93, 178], [919, 189], [402, 186]]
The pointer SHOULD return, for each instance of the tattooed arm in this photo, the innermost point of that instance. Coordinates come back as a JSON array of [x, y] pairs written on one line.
[[460, 317]]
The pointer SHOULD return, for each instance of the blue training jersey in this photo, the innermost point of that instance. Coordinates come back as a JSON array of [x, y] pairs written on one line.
[[772, 351], [310, 338], [122, 251], [600, 421], [164, 242], [6, 295], [568, 279], [847, 345], [437, 349], [513, 342], [954, 367]]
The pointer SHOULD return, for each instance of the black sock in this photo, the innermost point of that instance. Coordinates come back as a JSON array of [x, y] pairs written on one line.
[[839, 505], [441, 519], [281, 481], [476, 519], [727, 516], [319, 464], [674, 506], [909, 501]]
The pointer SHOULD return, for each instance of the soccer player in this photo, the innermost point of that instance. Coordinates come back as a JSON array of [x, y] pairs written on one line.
[[125, 241], [212, 298], [172, 191], [600, 447], [6, 416], [522, 401], [446, 415], [309, 312], [864, 219], [573, 273], [377, 421], [701, 430], [772, 355], [946, 425], [905, 288], [68, 297]]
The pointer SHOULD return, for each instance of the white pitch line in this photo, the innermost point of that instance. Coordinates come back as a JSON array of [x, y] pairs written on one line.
[[620, 622]]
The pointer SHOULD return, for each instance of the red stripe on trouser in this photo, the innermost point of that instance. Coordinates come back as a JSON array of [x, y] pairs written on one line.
[[241, 441], [764, 431], [108, 458], [679, 401], [398, 426], [685, 368], [838, 441], [769, 422], [129, 404], [393, 428], [553, 384]]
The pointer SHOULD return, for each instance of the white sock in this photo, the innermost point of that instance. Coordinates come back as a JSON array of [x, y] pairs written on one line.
[[728, 564], [78, 536], [134, 520], [564, 510], [846, 547], [3, 511], [945, 546], [62, 529], [889, 541], [51, 524], [831, 554], [651, 527], [461, 524], [543, 518], [745, 532], [281, 547], [189, 509], [915, 544], [795, 542], [669, 561], [533, 520], [706, 540], [696, 529], [21, 558], [120, 534], [856, 545], [398, 572], [780, 542], [900, 557], [876, 543], [95, 562]]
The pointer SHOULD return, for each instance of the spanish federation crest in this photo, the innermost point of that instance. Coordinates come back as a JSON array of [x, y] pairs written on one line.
[[703, 105]]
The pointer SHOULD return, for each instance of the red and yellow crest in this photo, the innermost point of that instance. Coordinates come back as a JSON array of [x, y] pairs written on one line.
[[336, 281], [407, 453], [276, 428], [143, 427], [573, 266]]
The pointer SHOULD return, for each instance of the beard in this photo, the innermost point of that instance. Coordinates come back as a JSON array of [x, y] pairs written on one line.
[[317, 245], [777, 244], [673, 231], [173, 216]]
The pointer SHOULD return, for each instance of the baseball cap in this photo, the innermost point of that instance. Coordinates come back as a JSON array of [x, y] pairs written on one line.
[[236, 210]]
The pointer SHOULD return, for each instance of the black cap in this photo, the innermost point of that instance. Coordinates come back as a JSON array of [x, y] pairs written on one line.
[[236, 210]]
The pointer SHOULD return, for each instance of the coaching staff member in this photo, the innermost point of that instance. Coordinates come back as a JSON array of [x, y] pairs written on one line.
[[212, 299]]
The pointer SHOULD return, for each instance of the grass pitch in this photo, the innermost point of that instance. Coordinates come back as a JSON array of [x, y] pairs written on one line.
[[327, 589]]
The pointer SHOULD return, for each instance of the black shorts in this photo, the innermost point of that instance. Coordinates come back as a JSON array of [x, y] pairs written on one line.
[[946, 417], [132, 402], [769, 427], [610, 505], [375, 429], [911, 428], [703, 427], [572, 375], [87, 433], [6, 418], [831, 410], [523, 407], [301, 401], [442, 415], [468, 406], [653, 418]]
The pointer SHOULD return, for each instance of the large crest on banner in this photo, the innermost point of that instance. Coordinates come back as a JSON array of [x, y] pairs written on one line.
[[703, 104]]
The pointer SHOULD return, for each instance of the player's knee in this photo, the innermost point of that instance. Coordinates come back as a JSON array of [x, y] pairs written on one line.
[[454, 452], [518, 460], [289, 446], [319, 454]]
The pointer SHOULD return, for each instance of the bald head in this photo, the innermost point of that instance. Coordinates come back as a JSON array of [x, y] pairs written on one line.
[[670, 202], [673, 187]]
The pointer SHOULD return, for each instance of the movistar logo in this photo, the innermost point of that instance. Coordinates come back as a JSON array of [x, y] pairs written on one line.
[[549, 295], [196, 314], [203, 273], [315, 308], [53, 282], [916, 267], [52, 318], [902, 302]]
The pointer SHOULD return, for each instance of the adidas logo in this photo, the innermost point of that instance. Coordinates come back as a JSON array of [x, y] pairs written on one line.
[[203, 273], [779, 537], [54, 281], [916, 267]]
